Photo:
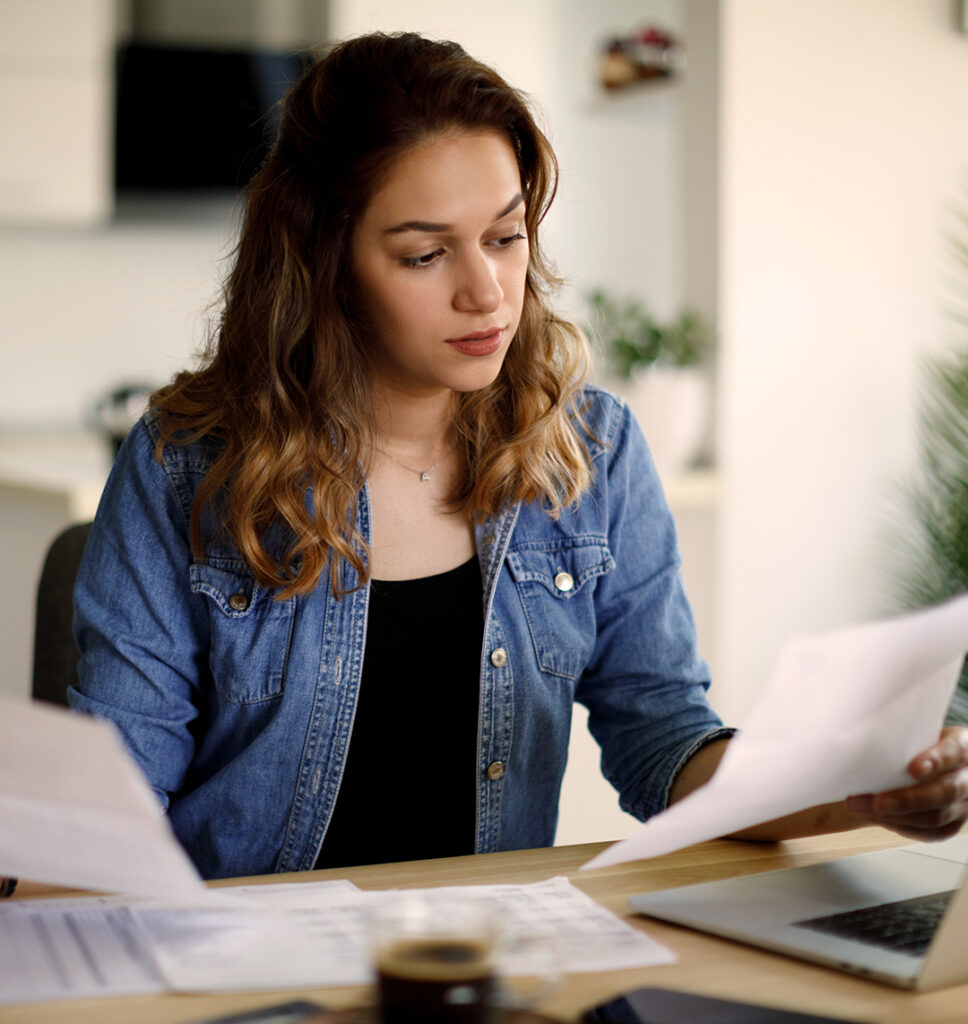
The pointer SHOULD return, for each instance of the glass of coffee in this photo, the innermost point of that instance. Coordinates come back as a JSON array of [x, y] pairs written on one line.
[[435, 960]]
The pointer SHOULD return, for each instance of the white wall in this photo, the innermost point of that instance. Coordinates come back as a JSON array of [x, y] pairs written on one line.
[[618, 215], [84, 310], [516, 38], [844, 146], [56, 99]]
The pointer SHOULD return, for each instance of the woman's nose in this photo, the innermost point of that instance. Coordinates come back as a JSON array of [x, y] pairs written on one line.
[[478, 289]]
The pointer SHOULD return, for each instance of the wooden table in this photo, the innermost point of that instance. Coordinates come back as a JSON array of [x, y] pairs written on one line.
[[706, 965]]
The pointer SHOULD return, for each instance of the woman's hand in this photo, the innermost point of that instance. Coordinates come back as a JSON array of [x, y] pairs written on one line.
[[936, 805]]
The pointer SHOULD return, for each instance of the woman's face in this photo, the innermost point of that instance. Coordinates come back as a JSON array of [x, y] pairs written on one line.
[[440, 258]]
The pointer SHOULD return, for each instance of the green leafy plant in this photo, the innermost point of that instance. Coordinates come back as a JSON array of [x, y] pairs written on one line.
[[632, 338], [934, 503], [932, 533]]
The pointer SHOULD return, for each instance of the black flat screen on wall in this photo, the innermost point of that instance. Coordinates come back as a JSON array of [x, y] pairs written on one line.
[[193, 119]]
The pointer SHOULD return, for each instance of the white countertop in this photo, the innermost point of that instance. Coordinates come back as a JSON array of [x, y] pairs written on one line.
[[70, 463]]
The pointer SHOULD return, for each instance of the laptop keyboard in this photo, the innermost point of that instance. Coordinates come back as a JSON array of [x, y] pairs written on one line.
[[905, 926]]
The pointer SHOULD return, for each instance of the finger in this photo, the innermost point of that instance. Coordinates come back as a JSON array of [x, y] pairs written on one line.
[[949, 789], [935, 819], [924, 835], [950, 752], [944, 790], [919, 817], [924, 826], [932, 804]]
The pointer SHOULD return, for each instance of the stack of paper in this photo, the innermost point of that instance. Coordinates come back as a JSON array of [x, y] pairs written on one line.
[[305, 935]]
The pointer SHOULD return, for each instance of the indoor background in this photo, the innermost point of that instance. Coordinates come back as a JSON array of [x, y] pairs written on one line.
[[796, 180]]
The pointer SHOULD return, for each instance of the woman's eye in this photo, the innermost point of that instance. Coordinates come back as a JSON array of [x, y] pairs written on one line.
[[416, 262], [508, 240]]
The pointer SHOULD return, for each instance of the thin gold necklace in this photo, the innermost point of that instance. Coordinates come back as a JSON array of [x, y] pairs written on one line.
[[424, 474]]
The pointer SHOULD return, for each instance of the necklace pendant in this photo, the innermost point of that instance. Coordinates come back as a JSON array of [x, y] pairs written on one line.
[[425, 475]]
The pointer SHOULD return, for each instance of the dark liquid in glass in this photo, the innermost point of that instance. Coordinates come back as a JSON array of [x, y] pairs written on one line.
[[433, 981]]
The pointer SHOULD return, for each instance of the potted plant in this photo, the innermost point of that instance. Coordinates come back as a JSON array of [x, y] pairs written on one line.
[[661, 369]]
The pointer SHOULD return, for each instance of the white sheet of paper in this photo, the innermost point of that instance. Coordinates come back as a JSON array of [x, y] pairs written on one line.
[[843, 713], [304, 939], [316, 936], [76, 810], [588, 936], [68, 948], [95, 945]]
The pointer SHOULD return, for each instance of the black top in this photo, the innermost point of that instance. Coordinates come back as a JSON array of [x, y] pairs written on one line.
[[409, 783]]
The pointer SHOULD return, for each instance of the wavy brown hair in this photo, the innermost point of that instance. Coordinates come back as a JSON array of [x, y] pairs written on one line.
[[283, 387]]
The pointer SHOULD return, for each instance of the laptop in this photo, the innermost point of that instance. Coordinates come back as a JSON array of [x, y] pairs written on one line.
[[897, 916]]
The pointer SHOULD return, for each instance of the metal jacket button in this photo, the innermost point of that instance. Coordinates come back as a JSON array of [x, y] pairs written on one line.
[[239, 602], [499, 657], [564, 582], [495, 770]]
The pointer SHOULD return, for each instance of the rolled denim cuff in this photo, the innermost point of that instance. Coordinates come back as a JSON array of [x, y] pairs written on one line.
[[723, 733]]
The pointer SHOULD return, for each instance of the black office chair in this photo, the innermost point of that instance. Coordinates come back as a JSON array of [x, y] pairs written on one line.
[[55, 653]]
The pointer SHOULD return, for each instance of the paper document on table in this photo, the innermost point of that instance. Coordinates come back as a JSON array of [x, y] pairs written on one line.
[[843, 713], [273, 936], [76, 810], [294, 935], [320, 938], [587, 936], [96, 946], [68, 948]]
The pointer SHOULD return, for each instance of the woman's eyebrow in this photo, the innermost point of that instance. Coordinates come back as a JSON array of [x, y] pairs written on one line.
[[432, 228]]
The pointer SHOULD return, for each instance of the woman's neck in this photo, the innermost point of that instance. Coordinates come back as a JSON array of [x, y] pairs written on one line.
[[417, 425]]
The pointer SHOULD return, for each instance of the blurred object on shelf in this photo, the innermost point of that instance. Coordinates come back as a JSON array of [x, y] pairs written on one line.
[[663, 370], [631, 339], [118, 411], [642, 56]]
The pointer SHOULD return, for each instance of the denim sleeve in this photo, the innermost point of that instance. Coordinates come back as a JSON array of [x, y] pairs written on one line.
[[645, 685], [141, 637]]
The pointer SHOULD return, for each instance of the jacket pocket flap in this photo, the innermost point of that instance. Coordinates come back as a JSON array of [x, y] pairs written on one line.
[[234, 592], [564, 568]]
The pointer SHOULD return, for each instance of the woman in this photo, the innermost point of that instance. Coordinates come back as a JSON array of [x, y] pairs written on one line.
[[348, 578]]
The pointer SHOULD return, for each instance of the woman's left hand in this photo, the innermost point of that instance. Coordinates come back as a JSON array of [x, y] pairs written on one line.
[[935, 806]]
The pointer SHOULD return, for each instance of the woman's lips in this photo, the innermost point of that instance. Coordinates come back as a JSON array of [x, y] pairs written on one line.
[[478, 343]]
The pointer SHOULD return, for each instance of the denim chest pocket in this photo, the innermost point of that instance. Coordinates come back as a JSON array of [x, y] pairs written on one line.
[[556, 584], [250, 633]]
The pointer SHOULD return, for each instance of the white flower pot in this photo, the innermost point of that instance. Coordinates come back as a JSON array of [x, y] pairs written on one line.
[[673, 407]]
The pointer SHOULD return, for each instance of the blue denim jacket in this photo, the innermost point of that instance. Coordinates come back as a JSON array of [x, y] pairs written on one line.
[[239, 707]]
